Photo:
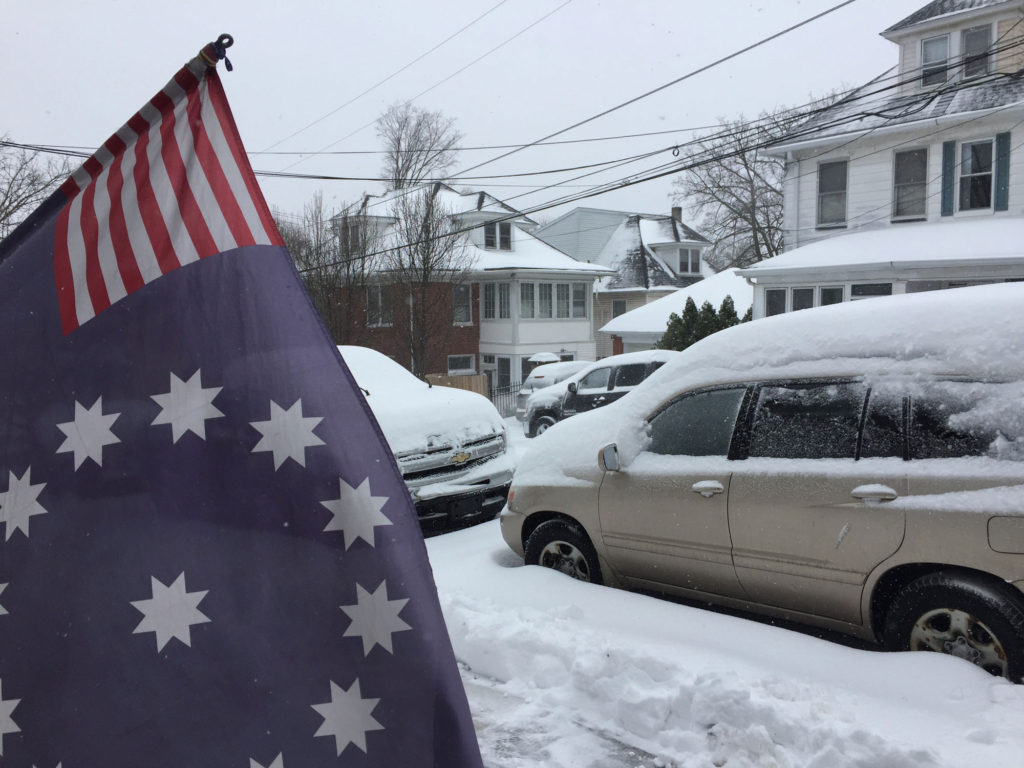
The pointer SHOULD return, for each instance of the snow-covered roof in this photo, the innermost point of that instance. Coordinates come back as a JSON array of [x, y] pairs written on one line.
[[938, 9], [630, 253], [988, 241], [449, 199], [652, 318], [531, 253]]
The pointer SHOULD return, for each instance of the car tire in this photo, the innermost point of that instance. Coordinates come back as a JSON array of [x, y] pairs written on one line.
[[541, 425], [564, 546], [961, 614]]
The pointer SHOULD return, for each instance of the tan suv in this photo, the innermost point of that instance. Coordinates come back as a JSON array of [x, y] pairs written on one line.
[[868, 482]]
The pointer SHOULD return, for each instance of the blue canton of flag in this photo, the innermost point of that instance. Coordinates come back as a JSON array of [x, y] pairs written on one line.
[[207, 555]]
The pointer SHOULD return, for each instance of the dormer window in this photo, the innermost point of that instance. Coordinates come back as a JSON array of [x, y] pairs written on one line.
[[498, 234], [934, 60], [974, 47], [689, 261]]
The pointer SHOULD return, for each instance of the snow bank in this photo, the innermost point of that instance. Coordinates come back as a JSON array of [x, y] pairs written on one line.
[[697, 688]]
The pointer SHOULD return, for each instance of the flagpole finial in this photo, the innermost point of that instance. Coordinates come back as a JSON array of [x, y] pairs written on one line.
[[217, 50]]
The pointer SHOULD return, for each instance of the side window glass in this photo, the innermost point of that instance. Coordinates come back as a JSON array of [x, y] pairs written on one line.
[[629, 375], [818, 421], [883, 434], [595, 379], [949, 419], [697, 425]]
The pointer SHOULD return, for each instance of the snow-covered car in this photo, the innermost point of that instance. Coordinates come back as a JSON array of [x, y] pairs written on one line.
[[858, 467], [542, 377], [594, 386], [450, 444]]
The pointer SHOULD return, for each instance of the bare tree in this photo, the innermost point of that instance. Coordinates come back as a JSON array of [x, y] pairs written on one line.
[[735, 189], [336, 255], [418, 144], [431, 258], [26, 180]]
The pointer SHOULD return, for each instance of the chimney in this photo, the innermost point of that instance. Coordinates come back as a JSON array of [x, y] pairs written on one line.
[[677, 213]]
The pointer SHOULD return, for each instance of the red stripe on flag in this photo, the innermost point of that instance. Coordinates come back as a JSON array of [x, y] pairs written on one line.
[[227, 121], [90, 238], [123, 252], [62, 272], [156, 229], [215, 177], [191, 215]]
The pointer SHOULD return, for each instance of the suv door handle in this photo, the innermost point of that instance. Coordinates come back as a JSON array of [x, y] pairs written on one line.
[[874, 493], [707, 488]]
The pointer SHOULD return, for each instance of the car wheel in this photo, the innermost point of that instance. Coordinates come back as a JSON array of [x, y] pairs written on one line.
[[564, 546], [542, 424], [964, 616]]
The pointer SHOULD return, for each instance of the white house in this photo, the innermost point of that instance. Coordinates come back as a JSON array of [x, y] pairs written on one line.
[[934, 142], [650, 256]]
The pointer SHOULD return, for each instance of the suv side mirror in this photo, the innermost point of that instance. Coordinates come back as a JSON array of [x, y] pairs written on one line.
[[608, 458], [572, 387]]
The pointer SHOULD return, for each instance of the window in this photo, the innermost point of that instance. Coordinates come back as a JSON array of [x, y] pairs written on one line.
[[630, 375], [974, 45], [462, 304], [579, 299], [807, 421], [803, 298], [544, 305], [883, 432], [460, 365], [618, 307], [498, 234], [774, 301], [595, 380], [833, 294], [504, 303], [562, 300], [489, 301], [934, 60], [975, 175], [832, 194], [525, 366], [910, 184], [689, 261], [526, 300], [378, 306], [950, 419], [567, 357], [697, 425], [867, 290]]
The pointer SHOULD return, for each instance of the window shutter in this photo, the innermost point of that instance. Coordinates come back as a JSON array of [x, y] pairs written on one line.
[[1002, 180], [948, 176]]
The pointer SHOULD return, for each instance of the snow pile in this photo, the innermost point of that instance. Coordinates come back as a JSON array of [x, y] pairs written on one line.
[[573, 668]]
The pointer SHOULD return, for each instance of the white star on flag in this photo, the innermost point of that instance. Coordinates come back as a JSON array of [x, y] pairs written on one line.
[[287, 434], [356, 512], [375, 618], [187, 406], [3, 611], [278, 762], [7, 724], [171, 612], [88, 433], [347, 717], [18, 503]]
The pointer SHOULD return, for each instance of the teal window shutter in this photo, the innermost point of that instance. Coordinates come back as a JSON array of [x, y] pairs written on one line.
[[1002, 180], [948, 176]]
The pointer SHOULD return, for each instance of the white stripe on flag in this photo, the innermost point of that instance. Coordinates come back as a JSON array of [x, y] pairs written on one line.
[[209, 208], [181, 242], [76, 256], [105, 246], [137, 236], [231, 171]]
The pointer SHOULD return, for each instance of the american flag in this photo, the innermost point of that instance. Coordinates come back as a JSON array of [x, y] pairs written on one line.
[[207, 555]]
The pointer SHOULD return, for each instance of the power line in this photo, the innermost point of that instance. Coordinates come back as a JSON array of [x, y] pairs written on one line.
[[389, 77]]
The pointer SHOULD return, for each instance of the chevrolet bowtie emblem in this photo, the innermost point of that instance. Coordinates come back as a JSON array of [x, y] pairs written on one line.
[[460, 458]]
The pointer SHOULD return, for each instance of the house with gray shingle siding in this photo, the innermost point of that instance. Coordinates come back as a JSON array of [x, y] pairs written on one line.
[[937, 141]]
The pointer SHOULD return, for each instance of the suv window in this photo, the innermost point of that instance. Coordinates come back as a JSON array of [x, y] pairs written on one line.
[[630, 375], [883, 434], [808, 421], [595, 379], [700, 424], [950, 419]]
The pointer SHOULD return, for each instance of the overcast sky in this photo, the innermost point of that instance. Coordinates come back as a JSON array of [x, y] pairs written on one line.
[[73, 72]]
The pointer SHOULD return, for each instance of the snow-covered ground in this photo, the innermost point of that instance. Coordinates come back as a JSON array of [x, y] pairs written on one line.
[[564, 674]]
